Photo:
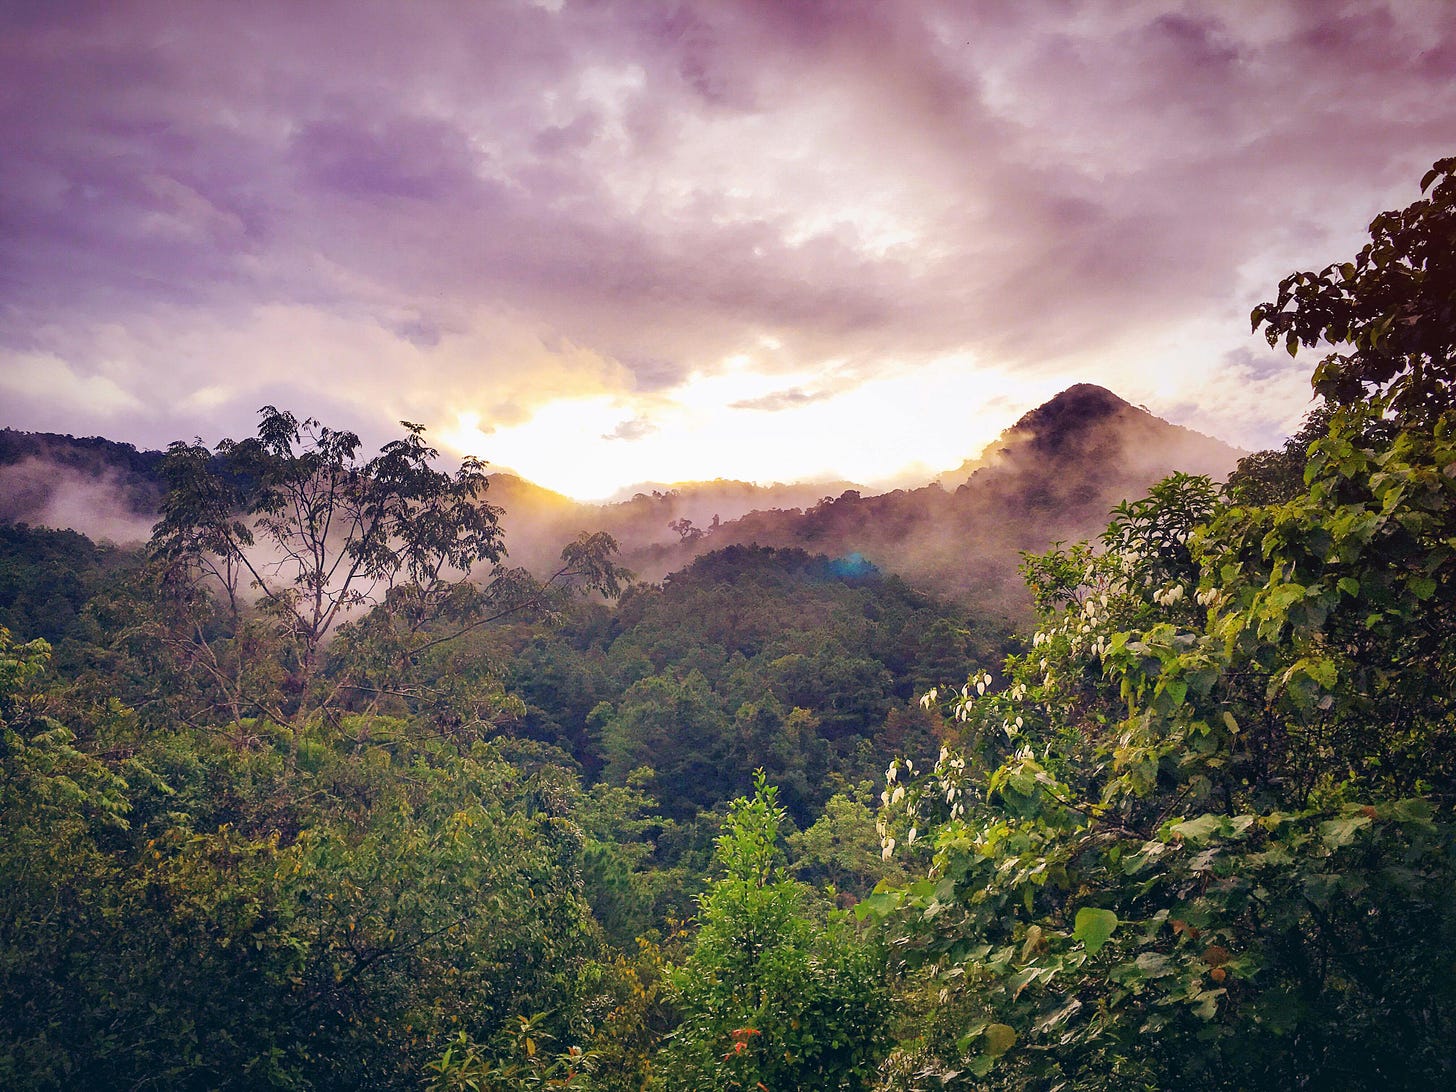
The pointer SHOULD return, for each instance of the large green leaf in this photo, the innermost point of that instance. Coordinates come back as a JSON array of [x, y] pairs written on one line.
[[1093, 926]]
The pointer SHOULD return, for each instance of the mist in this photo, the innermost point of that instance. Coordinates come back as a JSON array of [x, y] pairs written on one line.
[[98, 504]]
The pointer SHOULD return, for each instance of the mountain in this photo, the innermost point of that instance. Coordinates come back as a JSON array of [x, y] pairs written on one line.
[[1052, 476], [1104, 440]]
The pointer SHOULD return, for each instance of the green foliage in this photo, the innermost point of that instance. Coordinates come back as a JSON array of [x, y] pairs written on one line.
[[46, 579], [1204, 835], [771, 997], [1273, 477], [748, 658], [841, 849], [630, 891], [518, 1060], [676, 725], [185, 912]]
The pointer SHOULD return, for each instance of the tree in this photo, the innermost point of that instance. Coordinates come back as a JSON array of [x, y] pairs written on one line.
[[295, 535], [56, 805], [772, 998], [1205, 833], [1390, 313], [1276, 476], [674, 725], [841, 849]]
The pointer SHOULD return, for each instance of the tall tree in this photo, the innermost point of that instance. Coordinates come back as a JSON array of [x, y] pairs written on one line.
[[294, 533]]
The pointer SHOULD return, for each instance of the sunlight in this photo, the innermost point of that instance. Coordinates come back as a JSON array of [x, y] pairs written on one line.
[[900, 428]]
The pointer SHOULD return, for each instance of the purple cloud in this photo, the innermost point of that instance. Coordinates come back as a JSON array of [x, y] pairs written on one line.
[[492, 200]]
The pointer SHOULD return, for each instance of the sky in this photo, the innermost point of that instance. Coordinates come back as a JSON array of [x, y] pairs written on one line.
[[607, 242]]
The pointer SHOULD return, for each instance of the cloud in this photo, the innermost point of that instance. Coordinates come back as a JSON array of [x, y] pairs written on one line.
[[634, 429], [45, 493], [781, 400], [45, 383], [493, 206]]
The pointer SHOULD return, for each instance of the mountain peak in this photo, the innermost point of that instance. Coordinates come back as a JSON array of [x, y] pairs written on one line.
[[1076, 407]]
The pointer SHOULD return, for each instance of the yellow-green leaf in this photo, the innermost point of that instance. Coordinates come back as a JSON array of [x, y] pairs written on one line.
[[999, 1039]]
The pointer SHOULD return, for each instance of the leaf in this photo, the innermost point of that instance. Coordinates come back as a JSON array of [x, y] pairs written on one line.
[[1093, 926], [1412, 809], [1033, 942], [1422, 587], [1340, 832], [1196, 831], [1021, 979], [1153, 965], [1060, 1016], [878, 905], [999, 1039]]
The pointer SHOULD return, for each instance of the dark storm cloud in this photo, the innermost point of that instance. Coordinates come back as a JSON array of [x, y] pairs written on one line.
[[655, 187]]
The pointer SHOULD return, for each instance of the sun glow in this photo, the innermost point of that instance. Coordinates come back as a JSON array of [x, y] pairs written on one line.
[[742, 423]]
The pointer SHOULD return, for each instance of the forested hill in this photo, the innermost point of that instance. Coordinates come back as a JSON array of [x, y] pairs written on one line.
[[751, 657], [1053, 476]]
